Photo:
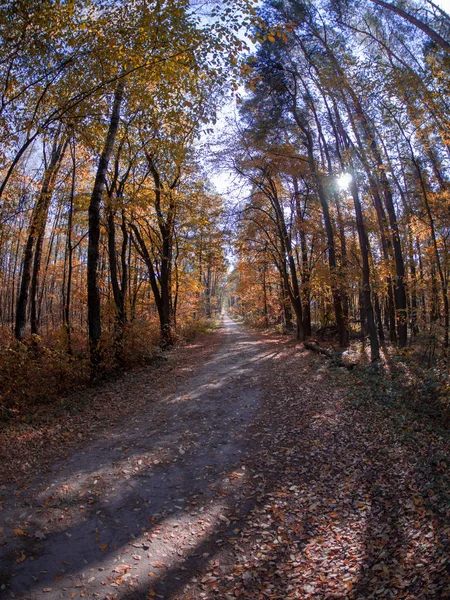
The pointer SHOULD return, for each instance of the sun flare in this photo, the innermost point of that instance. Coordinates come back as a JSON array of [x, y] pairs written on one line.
[[344, 181]]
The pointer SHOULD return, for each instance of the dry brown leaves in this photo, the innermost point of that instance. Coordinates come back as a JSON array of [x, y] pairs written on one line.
[[351, 502], [31, 443]]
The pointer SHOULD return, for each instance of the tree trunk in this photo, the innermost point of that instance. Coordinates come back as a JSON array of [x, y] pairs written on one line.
[[94, 319], [264, 286], [69, 253], [166, 325], [364, 246], [305, 271], [306, 282], [119, 289], [58, 155], [337, 302], [36, 233], [286, 304], [431, 33], [400, 318]]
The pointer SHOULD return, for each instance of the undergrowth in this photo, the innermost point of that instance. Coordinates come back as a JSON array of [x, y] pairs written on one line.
[[403, 382], [42, 371]]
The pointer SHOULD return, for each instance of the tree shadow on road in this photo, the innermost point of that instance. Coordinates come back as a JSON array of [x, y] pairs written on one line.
[[322, 499]]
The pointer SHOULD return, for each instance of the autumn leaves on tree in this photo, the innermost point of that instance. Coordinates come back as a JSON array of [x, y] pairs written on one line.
[[127, 89], [344, 145], [108, 224]]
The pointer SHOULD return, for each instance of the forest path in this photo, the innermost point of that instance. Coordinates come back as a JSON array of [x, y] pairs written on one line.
[[256, 470], [145, 493]]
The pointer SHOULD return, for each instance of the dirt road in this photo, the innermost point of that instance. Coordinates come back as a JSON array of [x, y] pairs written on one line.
[[131, 508], [255, 471]]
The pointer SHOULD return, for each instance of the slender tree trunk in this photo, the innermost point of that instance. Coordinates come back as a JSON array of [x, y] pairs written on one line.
[[366, 291], [396, 292], [305, 271], [166, 325], [286, 304], [94, 319], [161, 293], [294, 292], [118, 289], [69, 250], [208, 292], [337, 301], [37, 298], [379, 319], [58, 155], [440, 267], [431, 33], [356, 108], [36, 232], [69, 254], [264, 286], [306, 281]]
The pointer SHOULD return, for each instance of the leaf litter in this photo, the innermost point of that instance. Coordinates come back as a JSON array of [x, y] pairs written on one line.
[[329, 498]]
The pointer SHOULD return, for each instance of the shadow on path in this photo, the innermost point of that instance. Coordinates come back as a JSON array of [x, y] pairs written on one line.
[[164, 471], [257, 479]]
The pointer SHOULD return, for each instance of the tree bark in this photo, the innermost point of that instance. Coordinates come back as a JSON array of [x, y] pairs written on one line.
[[337, 301], [36, 232], [364, 246], [431, 33], [94, 318], [57, 157], [69, 254]]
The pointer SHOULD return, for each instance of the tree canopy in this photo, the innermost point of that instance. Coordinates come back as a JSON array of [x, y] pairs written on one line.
[[109, 226]]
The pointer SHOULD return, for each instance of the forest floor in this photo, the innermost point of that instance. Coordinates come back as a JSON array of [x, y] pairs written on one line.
[[242, 467]]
